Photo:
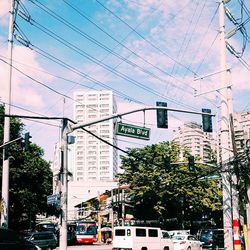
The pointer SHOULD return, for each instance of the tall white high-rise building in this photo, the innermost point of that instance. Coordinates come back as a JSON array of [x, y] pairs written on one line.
[[95, 160], [192, 137]]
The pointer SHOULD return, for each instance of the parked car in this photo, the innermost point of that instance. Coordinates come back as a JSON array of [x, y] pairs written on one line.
[[11, 240], [212, 238], [186, 242], [46, 239], [165, 234], [178, 232]]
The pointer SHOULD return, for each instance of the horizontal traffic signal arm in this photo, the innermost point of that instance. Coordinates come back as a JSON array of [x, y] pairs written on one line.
[[81, 125]]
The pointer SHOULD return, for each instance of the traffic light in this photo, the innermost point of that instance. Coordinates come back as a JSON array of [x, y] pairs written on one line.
[[27, 141], [191, 163], [207, 121], [162, 115]]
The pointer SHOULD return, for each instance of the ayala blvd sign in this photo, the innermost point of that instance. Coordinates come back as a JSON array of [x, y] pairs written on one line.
[[132, 131]]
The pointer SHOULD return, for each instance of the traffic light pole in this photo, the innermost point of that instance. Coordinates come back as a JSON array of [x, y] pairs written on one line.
[[82, 125], [66, 129], [6, 138]]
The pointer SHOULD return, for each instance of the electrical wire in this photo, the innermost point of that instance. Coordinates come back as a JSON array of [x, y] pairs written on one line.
[[75, 82], [60, 62], [93, 40], [207, 52], [206, 32], [126, 98], [3, 43], [178, 103], [39, 82], [146, 40], [185, 49], [105, 66], [184, 38]]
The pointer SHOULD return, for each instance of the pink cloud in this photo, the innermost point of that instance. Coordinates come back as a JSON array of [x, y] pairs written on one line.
[[24, 91], [4, 9]]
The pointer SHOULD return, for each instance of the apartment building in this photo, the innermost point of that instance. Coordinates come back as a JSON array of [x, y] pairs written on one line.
[[241, 129], [192, 137], [95, 160]]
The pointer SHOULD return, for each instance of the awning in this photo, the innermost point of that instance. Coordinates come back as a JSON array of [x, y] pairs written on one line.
[[106, 229]]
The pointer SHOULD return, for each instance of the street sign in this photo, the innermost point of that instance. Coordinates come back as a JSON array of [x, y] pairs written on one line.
[[133, 131], [52, 199]]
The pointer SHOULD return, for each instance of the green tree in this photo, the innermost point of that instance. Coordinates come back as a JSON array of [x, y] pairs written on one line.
[[160, 188], [30, 179]]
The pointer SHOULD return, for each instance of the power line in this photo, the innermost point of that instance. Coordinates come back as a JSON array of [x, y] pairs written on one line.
[[199, 66], [184, 39], [41, 83], [118, 94], [175, 69], [24, 109], [37, 81], [76, 71], [105, 66], [49, 56], [149, 42], [207, 52], [84, 34], [136, 83]]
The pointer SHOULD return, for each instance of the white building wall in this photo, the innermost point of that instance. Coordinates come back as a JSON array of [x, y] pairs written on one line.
[[94, 159]]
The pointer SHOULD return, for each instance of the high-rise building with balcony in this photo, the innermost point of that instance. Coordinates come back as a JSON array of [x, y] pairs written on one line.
[[191, 136], [95, 160]]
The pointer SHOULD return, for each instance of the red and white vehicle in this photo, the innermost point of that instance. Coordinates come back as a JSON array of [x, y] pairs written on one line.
[[86, 232]]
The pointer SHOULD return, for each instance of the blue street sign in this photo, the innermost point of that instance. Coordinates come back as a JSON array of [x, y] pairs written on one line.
[[52, 199]]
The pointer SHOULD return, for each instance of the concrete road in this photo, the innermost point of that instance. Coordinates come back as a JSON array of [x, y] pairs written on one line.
[[90, 247]]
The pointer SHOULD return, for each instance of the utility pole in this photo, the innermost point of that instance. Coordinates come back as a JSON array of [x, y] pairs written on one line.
[[64, 185], [112, 210], [99, 233], [6, 138], [123, 207], [225, 154]]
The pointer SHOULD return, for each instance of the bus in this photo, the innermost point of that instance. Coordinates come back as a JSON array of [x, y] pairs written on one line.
[[86, 232]]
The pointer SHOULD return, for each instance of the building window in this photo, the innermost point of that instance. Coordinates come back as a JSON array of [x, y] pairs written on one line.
[[104, 178], [105, 131]]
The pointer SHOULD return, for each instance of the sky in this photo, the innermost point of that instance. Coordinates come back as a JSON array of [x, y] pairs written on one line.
[[143, 50]]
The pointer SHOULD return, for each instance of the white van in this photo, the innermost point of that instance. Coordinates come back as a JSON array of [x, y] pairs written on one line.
[[140, 238]]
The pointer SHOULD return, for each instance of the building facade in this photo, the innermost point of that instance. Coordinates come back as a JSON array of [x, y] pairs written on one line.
[[241, 129], [95, 160], [191, 136]]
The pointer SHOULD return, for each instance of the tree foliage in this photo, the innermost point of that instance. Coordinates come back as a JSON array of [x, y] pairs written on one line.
[[30, 179], [162, 190]]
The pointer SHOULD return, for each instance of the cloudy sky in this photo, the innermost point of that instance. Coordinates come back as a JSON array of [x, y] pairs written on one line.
[[143, 50]]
